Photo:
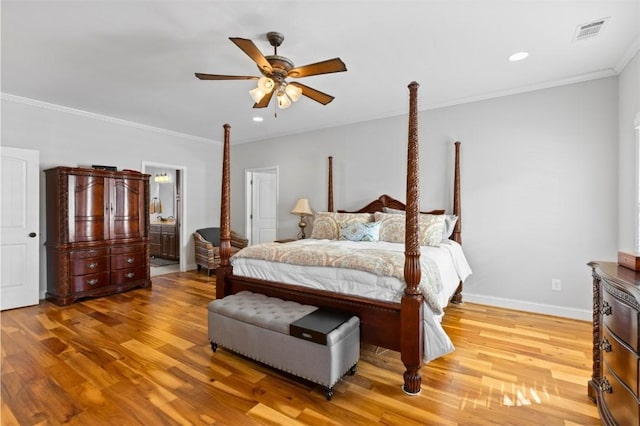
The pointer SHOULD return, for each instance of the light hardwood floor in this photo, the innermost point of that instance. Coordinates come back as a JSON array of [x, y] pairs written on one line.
[[142, 358]]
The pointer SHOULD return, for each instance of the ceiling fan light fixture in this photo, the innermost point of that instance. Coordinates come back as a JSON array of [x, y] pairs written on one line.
[[266, 84], [257, 94], [283, 100], [294, 92]]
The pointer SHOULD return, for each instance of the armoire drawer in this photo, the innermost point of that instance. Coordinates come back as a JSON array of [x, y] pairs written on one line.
[[89, 265], [123, 276], [621, 319], [619, 359], [87, 253], [127, 260], [127, 249], [619, 400], [89, 282]]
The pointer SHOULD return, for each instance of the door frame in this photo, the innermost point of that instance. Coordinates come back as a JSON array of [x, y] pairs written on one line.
[[183, 205], [248, 199]]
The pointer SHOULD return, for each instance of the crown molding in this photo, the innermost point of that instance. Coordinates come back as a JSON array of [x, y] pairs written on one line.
[[628, 56], [609, 72], [100, 117]]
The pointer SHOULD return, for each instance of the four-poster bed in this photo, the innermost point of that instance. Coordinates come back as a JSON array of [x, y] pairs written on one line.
[[397, 325]]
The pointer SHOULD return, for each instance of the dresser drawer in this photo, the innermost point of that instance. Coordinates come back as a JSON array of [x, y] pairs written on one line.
[[620, 360], [89, 265], [84, 254], [621, 319], [619, 401], [123, 276], [89, 282], [127, 260]]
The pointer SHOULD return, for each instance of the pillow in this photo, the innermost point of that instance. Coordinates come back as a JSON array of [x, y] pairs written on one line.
[[449, 226], [326, 225], [392, 228], [210, 234], [369, 231], [392, 211]]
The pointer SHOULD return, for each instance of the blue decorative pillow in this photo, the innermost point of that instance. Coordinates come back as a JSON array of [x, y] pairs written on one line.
[[369, 231]]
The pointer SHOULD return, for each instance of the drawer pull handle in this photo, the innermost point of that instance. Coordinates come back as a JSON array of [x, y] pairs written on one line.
[[130, 260], [130, 275], [93, 281], [605, 345], [605, 386], [606, 308], [92, 265]]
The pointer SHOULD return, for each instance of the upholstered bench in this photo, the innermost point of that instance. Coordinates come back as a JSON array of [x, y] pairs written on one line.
[[258, 327]]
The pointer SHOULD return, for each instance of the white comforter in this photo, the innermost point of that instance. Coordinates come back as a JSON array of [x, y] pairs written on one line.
[[449, 260]]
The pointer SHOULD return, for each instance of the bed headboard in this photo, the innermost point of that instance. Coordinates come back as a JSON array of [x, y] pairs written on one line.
[[383, 201]]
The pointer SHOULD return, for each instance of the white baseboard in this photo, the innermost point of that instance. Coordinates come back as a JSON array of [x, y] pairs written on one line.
[[538, 308]]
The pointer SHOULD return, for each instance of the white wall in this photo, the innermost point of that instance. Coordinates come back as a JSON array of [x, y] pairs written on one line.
[[72, 138], [629, 108], [539, 185]]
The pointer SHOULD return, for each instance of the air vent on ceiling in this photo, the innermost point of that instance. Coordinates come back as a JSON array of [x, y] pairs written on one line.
[[590, 29]]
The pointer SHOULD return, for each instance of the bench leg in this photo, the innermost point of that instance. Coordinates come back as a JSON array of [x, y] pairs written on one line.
[[214, 346], [329, 393], [352, 370]]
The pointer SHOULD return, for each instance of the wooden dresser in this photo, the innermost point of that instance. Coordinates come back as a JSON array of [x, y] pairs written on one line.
[[97, 233], [615, 382]]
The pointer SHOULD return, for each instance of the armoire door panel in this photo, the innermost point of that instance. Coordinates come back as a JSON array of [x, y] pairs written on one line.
[[125, 207], [87, 208]]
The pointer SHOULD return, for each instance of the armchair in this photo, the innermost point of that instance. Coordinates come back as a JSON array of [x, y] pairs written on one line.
[[207, 247]]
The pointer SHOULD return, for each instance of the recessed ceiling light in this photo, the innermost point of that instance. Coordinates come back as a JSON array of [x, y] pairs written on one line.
[[518, 56], [258, 119]]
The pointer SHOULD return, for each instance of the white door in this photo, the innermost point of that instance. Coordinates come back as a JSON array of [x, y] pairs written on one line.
[[20, 242], [263, 207]]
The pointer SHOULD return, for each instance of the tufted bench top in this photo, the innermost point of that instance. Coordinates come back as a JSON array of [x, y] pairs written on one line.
[[260, 310]]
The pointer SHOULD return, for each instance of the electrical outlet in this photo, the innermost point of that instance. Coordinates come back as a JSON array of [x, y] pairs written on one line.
[[556, 284]]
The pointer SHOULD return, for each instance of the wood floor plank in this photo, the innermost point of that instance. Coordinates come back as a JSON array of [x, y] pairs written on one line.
[[143, 358]]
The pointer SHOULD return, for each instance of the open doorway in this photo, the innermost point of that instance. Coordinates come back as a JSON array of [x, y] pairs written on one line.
[[261, 197], [167, 189]]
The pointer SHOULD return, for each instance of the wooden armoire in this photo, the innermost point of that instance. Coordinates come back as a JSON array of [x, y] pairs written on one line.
[[97, 232]]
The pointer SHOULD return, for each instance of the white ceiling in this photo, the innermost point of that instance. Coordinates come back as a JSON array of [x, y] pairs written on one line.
[[135, 60]]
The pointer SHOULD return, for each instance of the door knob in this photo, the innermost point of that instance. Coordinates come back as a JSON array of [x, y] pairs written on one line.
[[32, 234]]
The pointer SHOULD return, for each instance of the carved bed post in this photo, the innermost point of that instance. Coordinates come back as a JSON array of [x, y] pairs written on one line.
[[330, 191], [225, 218], [411, 333], [457, 210]]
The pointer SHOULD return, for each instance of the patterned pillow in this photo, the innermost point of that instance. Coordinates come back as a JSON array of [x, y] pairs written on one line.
[[392, 228], [326, 225], [369, 231]]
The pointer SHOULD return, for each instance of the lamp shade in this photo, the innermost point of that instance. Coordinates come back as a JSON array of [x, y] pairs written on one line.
[[283, 100], [302, 208], [294, 92]]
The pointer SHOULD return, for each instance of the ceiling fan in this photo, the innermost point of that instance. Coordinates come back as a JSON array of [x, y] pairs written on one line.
[[275, 70]]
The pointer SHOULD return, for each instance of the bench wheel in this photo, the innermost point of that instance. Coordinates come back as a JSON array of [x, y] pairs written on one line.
[[329, 393], [352, 370], [214, 346]]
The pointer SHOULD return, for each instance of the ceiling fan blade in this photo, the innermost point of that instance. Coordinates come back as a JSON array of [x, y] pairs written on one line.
[[314, 94], [224, 77], [324, 67], [253, 52], [264, 101]]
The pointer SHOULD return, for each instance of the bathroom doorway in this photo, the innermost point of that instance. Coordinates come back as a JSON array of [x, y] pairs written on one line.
[[166, 216]]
